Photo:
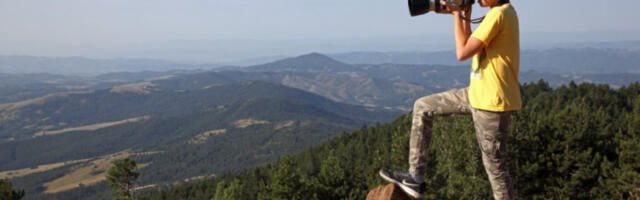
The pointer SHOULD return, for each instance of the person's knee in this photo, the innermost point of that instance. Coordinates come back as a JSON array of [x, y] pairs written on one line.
[[422, 106]]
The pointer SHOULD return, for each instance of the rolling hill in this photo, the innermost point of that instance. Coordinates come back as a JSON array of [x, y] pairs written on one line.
[[194, 132]]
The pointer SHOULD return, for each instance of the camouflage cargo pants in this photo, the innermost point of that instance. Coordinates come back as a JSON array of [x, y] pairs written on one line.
[[491, 133]]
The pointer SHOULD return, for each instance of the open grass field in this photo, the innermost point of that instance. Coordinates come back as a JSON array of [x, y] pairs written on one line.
[[91, 127], [40, 168], [89, 173]]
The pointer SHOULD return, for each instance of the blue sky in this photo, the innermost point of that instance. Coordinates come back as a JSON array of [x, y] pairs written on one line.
[[118, 28]]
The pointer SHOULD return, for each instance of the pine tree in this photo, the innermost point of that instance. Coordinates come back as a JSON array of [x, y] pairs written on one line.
[[7, 192], [231, 192], [333, 176], [120, 177], [287, 182], [628, 176]]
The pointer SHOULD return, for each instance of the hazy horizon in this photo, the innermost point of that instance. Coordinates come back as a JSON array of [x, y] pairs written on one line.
[[226, 30]]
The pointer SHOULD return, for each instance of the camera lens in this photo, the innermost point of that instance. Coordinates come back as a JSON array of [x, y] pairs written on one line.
[[419, 7]]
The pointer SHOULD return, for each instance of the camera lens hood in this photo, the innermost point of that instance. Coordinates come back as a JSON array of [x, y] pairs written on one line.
[[418, 7]]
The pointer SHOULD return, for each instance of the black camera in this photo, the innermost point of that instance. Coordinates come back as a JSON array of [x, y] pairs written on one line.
[[419, 7]]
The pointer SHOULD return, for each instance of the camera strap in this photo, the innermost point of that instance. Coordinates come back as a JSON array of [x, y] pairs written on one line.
[[473, 21], [477, 20]]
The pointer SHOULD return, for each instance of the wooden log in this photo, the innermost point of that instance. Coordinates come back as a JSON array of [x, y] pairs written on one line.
[[387, 192]]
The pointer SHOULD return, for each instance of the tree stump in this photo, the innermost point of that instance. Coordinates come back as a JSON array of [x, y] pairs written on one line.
[[387, 192]]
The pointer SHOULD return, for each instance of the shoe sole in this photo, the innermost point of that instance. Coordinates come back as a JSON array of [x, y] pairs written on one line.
[[404, 188], [410, 191]]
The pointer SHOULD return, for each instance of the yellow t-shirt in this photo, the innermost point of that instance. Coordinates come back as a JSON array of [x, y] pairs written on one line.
[[494, 73]]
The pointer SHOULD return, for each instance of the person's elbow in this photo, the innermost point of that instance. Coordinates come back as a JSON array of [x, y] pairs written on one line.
[[462, 57], [472, 47]]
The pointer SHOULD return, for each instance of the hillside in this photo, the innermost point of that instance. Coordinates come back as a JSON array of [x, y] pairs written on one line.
[[340, 87], [20, 87], [190, 133], [58, 111], [551, 156]]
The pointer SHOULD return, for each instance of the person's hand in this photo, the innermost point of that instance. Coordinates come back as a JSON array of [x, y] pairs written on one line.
[[466, 12], [451, 8], [455, 9]]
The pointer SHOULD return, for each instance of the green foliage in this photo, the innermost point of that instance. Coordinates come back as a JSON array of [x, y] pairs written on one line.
[[231, 191], [574, 142], [120, 177], [333, 177], [7, 192], [571, 142], [287, 182]]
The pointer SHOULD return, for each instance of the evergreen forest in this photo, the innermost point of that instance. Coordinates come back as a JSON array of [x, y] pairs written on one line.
[[571, 142]]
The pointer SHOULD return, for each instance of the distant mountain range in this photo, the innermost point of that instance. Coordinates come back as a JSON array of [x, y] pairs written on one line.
[[583, 60], [184, 125], [387, 85], [15, 64], [608, 57]]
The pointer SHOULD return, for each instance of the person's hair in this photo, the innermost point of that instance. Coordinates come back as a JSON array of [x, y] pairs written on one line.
[[503, 2], [479, 19]]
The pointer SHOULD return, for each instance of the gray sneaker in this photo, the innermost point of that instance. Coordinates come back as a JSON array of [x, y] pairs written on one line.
[[405, 181]]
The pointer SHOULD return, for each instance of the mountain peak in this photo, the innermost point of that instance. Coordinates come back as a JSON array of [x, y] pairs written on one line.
[[314, 55], [311, 58], [312, 62]]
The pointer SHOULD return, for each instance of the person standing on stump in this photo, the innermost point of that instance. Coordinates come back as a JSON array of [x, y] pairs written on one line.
[[493, 94]]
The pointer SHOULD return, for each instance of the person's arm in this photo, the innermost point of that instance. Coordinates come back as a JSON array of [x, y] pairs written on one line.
[[466, 46]]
